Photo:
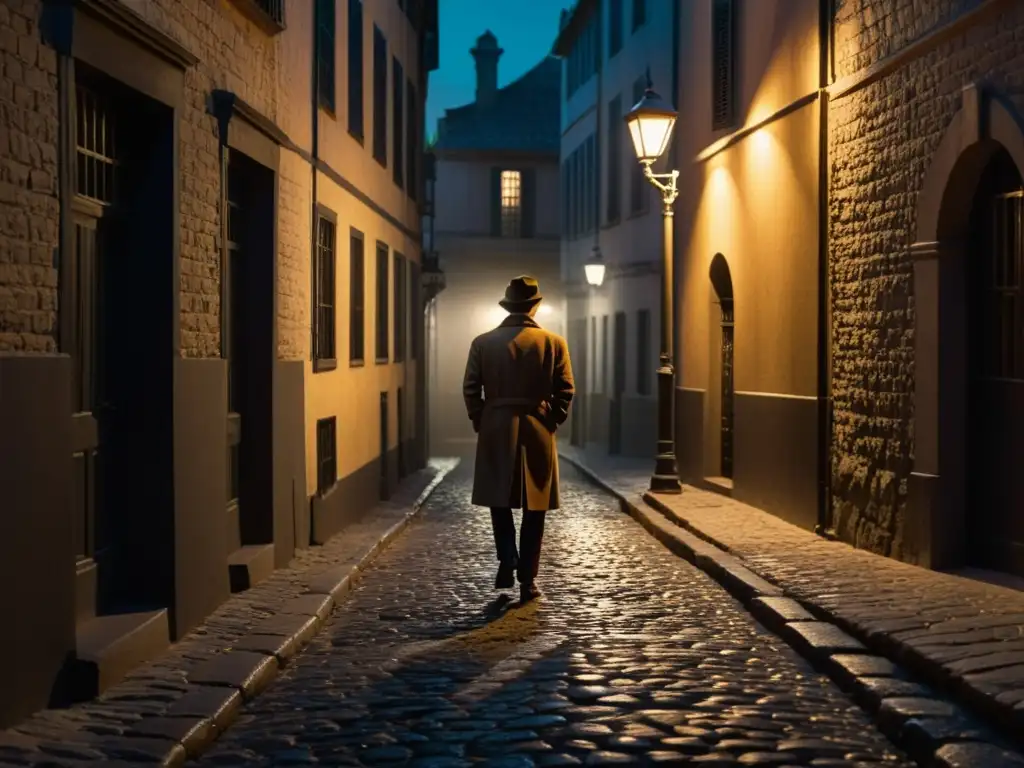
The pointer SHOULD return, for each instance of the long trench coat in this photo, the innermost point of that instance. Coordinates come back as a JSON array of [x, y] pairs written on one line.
[[518, 387]]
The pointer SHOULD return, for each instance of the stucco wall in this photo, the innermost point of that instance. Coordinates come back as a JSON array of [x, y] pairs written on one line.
[[28, 182], [882, 138]]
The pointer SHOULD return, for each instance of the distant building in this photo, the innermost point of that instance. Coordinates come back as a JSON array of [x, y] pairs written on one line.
[[607, 51], [209, 308], [496, 216]]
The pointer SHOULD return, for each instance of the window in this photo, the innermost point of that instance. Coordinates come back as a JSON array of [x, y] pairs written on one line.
[[326, 454], [401, 301], [355, 68], [723, 26], [326, 53], [639, 13], [614, 27], [412, 145], [382, 303], [380, 97], [511, 204], [593, 353], [357, 299], [324, 355], [643, 352], [639, 194], [614, 159], [273, 8], [564, 178], [581, 63], [590, 182], [574, 198], [398, 118]]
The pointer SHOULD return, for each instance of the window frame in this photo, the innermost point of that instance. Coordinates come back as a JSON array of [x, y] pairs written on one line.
[[382, 316], [380, 97], [515, 214], [356, 72], [723, 64], [326, 437], [357, 299], [399, 298], [326, 54], [325, 216], [397, 122]]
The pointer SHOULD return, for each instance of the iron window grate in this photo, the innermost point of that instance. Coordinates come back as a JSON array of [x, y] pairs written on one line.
[[273, 8], [382, 302], [324, 333], [357, 298], [326, 454], [723, 31], [96, 139]]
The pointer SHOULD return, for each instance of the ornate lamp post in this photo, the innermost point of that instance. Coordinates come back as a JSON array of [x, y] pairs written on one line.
[[650, 123]]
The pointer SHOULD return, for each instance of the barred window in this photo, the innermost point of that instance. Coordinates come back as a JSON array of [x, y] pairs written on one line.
[[324, 355]]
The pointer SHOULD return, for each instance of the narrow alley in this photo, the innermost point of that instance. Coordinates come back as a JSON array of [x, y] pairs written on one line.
[[631, 656]]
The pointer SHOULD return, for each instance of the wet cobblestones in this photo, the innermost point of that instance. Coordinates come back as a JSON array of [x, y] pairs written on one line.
[[631, 657]]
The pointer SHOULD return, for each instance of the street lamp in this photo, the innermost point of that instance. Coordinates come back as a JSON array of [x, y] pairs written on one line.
[[594, 268], [650, 123]]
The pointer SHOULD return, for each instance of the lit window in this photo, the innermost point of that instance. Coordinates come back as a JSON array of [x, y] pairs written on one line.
[[511, 203]]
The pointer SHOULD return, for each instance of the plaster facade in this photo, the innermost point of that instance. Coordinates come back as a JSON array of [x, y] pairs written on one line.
[[747, 234], [227, 162], [613, 330]]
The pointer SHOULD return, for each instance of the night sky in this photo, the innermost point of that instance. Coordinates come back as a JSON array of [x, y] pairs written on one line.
[[526, 29]]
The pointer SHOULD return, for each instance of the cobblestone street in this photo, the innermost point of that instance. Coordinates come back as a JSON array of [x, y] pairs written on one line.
[[632, 655]]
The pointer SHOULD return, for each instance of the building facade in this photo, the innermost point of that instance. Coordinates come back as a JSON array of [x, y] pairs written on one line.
[[850, 249], [496, 216], [608, 50], [751, 365], [188, 187], [925, 204]]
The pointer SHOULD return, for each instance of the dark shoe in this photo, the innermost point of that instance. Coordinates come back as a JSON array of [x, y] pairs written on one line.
[[506, 578], [528, 592]]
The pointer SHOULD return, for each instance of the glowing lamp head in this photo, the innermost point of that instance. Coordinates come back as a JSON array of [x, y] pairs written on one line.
[[594, 268], [650, 123]]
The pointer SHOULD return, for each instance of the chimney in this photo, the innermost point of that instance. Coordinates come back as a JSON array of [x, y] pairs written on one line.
[[486, 55]]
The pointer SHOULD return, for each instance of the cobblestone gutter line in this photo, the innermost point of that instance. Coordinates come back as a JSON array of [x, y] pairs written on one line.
[[932, 728], [174, 707]]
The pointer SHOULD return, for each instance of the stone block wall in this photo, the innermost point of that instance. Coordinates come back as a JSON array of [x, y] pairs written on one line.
[[235, 55], [881, 141], [29, 209]]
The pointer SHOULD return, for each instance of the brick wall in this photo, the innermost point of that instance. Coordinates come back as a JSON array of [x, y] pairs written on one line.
[[28, 182], [882, 138], [237, 56]]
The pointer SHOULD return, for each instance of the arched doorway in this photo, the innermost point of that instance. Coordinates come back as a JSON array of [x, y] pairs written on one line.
[[723, 362], [995, 485], [965, 497]]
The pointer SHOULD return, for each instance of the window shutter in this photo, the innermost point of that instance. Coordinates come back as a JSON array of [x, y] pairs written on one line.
[[723, 69], [529, 201], [495, 202]]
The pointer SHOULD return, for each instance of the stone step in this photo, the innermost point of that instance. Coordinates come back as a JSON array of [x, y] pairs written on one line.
[[249, 565], [108, 647]]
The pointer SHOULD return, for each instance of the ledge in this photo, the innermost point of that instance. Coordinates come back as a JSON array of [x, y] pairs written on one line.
[[259, 16]]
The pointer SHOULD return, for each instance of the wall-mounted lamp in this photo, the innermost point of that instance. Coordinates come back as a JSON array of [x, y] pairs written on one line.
[[594, 268]]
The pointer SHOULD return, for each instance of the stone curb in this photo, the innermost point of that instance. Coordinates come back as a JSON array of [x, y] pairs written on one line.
[[227, 681], [933, 730]]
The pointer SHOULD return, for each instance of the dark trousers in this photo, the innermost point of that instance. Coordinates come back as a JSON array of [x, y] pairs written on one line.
[[531, 536]]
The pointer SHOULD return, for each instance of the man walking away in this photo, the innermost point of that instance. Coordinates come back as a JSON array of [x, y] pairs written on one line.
[[518, 387]]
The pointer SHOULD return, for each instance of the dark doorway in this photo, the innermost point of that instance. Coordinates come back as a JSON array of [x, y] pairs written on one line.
[[721, 281], [995, 523], [385, 484], [247, 340], [117, 319], [618, 385], [400, 417]]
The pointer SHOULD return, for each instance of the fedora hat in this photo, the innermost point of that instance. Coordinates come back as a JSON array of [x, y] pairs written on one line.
[[521, 294]]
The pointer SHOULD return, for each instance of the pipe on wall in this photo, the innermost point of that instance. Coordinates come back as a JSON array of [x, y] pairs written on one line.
[[824, 358]]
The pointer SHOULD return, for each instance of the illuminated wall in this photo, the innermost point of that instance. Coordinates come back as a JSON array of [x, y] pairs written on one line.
[[750, 197]]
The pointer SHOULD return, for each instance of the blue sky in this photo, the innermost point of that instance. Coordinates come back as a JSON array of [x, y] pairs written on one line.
[[526, 30]]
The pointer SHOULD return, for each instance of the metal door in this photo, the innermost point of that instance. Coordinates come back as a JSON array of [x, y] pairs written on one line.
[[727, 388]]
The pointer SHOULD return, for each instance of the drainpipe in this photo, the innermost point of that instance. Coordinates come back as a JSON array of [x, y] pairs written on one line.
[[315, 153], [825, 11]]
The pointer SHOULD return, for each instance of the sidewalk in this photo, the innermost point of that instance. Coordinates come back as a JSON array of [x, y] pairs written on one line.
[[963, 636], [172, 707]]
